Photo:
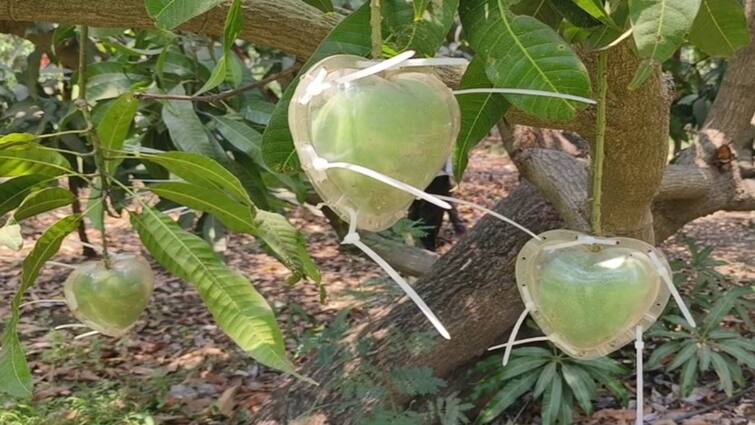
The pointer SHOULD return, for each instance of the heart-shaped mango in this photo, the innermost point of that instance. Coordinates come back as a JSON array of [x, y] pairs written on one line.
[[401, 123], [588, 299], [110, 300]]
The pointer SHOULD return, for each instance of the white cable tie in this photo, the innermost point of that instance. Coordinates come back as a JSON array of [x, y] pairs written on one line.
[[520, 342], [376, 68], [490, 212], [527, 92], [512, 336], [422, 62], [639, 345], [672, 289]]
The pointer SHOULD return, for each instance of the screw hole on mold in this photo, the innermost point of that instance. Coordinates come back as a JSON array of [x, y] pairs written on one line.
[[524, 258]]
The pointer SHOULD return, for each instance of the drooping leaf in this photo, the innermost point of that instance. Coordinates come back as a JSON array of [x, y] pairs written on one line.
[[659, 28], [721, 367], [688, 377], [15, 376], [237, 217], [13, 191], [507, 396], [113, 128], [682, 356], [31, 159], [108, 80], [237, 307], [660, 353], [186, 130], [42, 201], [348, 37], [286, 244], [240, 136], [46, 247], [197, 169], [419, 26], [479, 113], [522, 52], [16, 138], [169, 14], [552, 402], [10, 236], [739, 353], [720, 28], [545, 379], [581, 384], [723, 306]]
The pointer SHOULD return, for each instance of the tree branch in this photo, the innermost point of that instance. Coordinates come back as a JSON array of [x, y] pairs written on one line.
[[289, 25], [222, 95]]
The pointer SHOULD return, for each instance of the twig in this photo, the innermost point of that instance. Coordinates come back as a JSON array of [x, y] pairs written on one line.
[[222, 95], [599, 151], [708, 408], [376, 18], [92, 136]]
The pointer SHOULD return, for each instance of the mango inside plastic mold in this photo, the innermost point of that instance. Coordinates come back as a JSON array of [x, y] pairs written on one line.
[[400, 122], [588, 299]]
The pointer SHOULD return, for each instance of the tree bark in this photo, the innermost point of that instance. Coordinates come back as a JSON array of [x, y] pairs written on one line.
[[472, 290], [289, 25]]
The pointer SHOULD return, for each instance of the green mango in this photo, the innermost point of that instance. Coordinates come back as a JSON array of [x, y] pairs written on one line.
[[110, 300], [400, 123], [590, 297]]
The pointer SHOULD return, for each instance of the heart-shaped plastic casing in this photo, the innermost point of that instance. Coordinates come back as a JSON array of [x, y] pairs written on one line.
[[110, 300], [589, 299], [401, 123]]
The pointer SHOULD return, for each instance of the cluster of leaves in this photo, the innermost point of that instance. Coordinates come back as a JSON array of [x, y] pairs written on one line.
[[549, 375], [717, 344], [372, 386]]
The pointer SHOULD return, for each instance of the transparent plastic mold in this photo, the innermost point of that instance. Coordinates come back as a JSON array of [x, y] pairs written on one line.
[[110, 301], [590, 298], [399, 122]]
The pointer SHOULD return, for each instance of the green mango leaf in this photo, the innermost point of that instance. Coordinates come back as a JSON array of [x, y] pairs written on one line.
[[286, 244], [95, 206], [324, 5], [42, 201], [108, 80], [216, 78], [507, 396], [32, 159], [659, 28], [594, 8], [574, 14], [46, 247], [16, 138], [10, 236], [348, 37], [15, 376], [522, 52], [241, 136], [113, 128], [235, 216], [419, 26], [13, 191], [542, 10], [186, 130], [169, 14], [720, 28], [197, 169], [479, 113], [237, 307]]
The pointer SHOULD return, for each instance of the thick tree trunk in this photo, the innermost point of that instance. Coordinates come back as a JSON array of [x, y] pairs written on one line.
[[472, 290]]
